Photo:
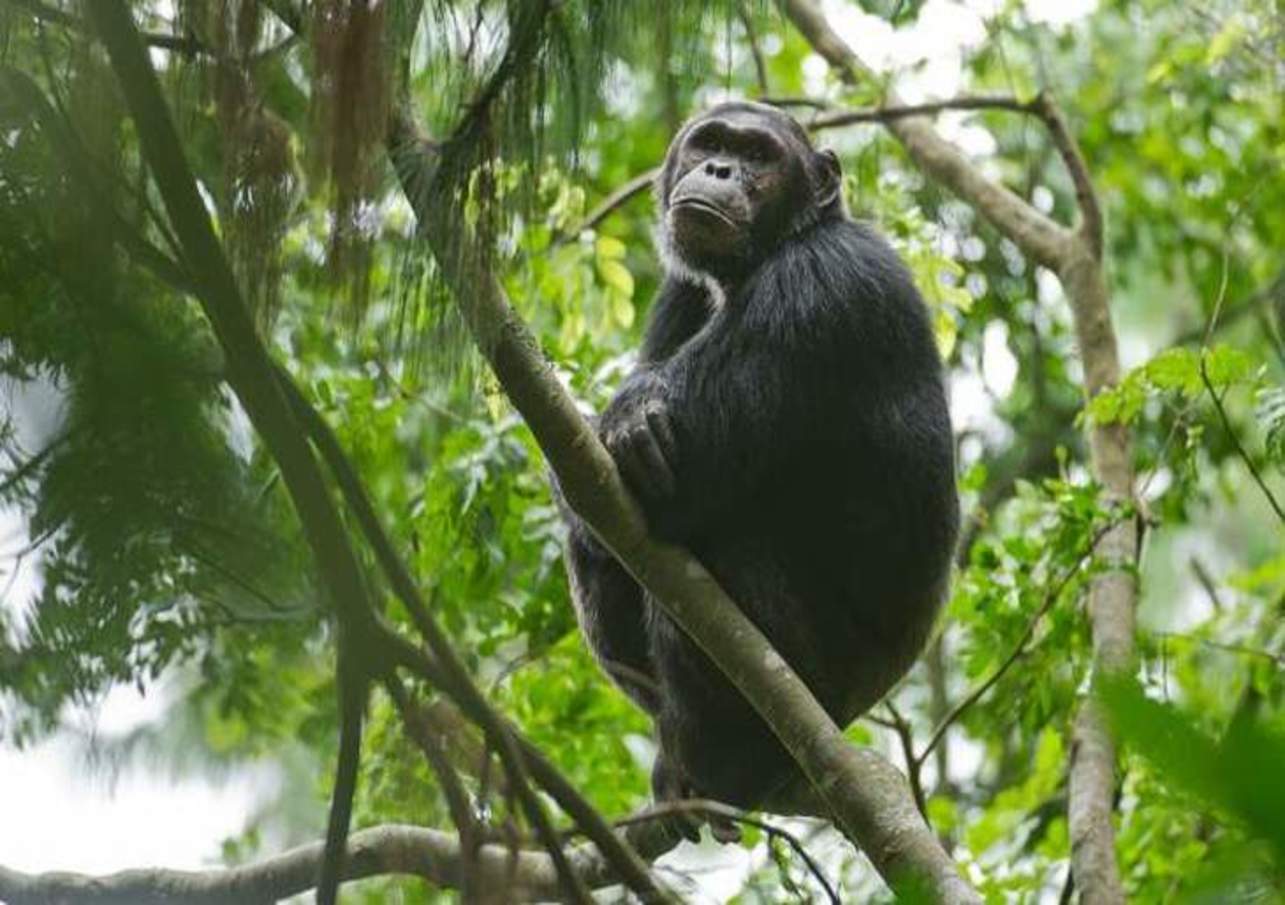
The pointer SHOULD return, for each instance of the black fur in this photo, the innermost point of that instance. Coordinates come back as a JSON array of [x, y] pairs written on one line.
[[805, 431]]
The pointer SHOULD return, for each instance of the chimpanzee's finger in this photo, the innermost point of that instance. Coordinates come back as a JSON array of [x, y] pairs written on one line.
[[649, 453], [663, 431], [632, 469]]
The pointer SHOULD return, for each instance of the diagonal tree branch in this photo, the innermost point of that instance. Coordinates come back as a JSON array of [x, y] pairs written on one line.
[[251, 376], [868, 797]]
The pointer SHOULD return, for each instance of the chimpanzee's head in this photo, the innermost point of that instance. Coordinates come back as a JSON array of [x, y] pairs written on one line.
[[737, 180]]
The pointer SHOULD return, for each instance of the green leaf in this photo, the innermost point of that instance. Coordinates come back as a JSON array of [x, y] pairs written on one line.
[[622, 309], [1226, 365], [609, 248], [617, 276], [1175, 369]]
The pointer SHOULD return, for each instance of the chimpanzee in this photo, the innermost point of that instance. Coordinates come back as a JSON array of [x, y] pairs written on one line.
[[787, 423]]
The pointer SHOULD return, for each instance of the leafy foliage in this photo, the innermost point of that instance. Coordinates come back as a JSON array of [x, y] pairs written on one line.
[[164, 550]]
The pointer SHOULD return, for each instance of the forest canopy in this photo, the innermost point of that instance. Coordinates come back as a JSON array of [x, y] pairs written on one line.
[[302, 303]]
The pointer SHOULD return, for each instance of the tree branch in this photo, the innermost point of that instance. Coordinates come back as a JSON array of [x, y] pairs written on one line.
[[890, 113], [458, 801], [722, 811], [914, 763], [1091, 227], [756, 52], [618, 198], [433, 855]]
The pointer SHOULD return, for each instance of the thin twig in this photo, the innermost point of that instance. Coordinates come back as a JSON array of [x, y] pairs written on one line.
[[1213, 394], [1235, 440], [840, 118], [1091, 226], [457, 799], [1068, 887], [618, 198], [905, 735], [1207, 582], [1252, 303], [878, 720], [782, 101]]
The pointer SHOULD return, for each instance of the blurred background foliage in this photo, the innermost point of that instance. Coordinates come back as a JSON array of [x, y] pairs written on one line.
[[157, 547]]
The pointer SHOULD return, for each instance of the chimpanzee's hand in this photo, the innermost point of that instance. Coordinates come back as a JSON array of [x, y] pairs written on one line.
[[637, 431]]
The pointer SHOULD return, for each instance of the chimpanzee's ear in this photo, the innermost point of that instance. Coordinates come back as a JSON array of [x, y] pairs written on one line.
[[829, 178]]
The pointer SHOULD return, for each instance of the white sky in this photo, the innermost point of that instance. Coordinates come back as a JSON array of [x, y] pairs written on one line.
[[58, 814], [55, 813]]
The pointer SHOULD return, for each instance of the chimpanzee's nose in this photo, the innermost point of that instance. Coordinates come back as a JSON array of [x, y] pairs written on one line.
[[718, 169]]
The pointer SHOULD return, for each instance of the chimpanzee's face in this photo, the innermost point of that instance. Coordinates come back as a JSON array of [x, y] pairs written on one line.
[[737, 180]]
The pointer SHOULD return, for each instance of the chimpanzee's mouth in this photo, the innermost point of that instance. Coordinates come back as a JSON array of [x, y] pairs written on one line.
[[706, 207]]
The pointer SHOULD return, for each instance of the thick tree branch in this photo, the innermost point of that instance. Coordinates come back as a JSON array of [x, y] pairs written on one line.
[[1112, 597]]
